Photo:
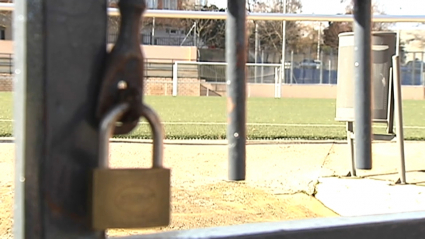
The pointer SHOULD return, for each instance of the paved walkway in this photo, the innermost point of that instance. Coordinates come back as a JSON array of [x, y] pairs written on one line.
[[375, 192]]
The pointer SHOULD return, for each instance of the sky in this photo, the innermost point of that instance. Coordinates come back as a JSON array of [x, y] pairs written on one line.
[[390, 7], [404, 7]]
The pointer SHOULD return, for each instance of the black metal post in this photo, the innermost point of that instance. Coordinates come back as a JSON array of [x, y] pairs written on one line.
[[363, 84], [60, 47], [236, 87]]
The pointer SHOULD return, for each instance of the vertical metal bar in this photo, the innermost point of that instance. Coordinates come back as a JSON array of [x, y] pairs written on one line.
[[329, 70], [321, 67], [397, 49], [390, 117], [282, 79], [292, 68], [363, 84], [153, 32], [262, 66], [55, 127], [10, 63], [175, 78], [422, 68], [350, 141], [319, 34], [236, 81], [27, 216], [413, 68], [399, 116], [256, 52], [195, 40], [276, 81]]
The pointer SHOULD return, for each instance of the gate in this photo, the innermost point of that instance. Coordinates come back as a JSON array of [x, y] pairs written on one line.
[[60, 47]]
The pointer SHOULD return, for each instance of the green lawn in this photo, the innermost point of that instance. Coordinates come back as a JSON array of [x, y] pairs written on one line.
[[268, 118]]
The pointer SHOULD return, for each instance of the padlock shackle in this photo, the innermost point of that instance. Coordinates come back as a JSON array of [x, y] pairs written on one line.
[[107, 127], [157, 135]]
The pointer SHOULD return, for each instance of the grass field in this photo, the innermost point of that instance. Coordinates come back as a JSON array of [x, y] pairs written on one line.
[[267, 118]]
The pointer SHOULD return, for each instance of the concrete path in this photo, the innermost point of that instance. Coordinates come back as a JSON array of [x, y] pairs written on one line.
[[357, 197], [375, 191]]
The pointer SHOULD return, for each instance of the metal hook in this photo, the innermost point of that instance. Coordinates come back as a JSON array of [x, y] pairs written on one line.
[[124, 71]]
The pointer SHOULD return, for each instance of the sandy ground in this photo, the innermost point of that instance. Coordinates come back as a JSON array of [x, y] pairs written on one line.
[[6, 189], [280, 179], [200, 195]]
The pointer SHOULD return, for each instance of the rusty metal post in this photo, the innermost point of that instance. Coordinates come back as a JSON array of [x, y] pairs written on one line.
[[236, 87]]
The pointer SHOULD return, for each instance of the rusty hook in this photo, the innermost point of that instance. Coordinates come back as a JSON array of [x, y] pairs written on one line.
[[124, 70]]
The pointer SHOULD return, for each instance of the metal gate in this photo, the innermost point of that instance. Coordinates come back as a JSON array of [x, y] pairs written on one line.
[[60, 47]]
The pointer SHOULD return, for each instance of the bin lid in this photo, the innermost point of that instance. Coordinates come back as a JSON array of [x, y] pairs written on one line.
[[380, 47]]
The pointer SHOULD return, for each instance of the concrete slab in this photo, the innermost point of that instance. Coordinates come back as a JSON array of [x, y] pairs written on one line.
[[385, 161], [358, 197]]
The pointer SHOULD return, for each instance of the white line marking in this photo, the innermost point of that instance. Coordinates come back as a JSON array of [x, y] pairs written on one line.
[[260, 124]]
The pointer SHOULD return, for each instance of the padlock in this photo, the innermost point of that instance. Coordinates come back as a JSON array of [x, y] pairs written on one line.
[[134, 197]]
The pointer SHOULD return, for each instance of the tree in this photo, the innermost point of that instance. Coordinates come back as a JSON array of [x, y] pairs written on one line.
[[330, 33], [307, 44], [376, 9], [209, 32], [270, 32]]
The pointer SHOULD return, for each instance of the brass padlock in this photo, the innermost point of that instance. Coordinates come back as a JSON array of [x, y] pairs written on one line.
[[130, 198]]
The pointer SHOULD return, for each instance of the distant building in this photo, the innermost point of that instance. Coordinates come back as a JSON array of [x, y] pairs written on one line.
[[6, 23], [164, 4], [166, 31], [5, 26], [161, 31]]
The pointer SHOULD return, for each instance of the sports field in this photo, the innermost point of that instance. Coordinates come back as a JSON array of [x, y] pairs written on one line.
[[267, 118]]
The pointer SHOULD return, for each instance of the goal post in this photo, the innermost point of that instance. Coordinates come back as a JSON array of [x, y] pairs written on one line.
[[175, 78], [209, 79]]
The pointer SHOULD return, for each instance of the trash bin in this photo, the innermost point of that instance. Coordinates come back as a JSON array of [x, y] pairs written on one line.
[[383, 48]]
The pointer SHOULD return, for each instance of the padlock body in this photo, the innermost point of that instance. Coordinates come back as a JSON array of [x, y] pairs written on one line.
[[130, 198]]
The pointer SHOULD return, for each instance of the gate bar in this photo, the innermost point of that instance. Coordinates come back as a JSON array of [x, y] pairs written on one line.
[[390, 226], [60, 48], [236, 84], [363, 84]]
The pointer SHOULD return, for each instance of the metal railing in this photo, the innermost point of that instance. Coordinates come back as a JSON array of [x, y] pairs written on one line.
[[257, 16], [412, 72], [6, 64], [154, 40]]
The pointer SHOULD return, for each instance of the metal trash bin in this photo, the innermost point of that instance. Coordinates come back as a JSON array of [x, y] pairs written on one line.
[[383, 48]]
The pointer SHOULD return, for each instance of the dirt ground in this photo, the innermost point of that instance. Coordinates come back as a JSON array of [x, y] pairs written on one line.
[[200, 195]]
